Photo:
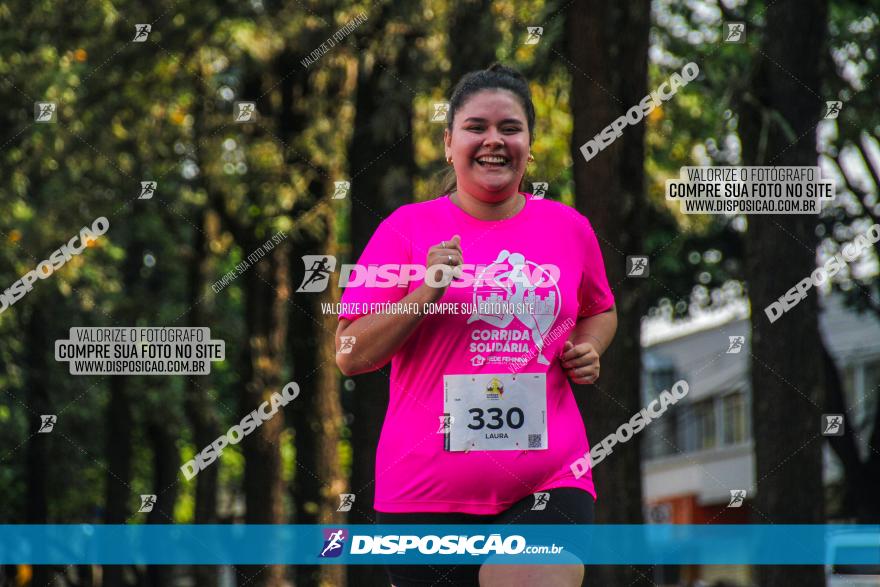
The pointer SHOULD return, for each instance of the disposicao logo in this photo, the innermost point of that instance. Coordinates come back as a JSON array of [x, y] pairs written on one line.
[[334, 543]]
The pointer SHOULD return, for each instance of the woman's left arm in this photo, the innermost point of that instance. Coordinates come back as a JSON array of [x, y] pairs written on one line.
[[589, 339], [597, 329]]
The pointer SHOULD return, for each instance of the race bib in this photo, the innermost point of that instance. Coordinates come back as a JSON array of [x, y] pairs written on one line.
[[495, 411]]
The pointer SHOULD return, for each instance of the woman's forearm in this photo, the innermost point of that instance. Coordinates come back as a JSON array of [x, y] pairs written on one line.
[[379, 336], [597, 330]]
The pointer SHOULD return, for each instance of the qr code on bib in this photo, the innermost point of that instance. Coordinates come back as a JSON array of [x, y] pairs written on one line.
[[534, 441]]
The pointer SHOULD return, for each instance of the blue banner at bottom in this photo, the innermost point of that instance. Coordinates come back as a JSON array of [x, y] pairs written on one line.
[[438, 544]]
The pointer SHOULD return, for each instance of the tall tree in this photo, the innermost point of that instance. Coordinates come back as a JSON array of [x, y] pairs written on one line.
[[857, 135], [387, 71], [307, 338], [778, 116], [859, 474], [162, 432], [328, 411], [469, 20], [607, 45], [267, 287], [306, 94], [38, 447], [119, 422], [198, 404]]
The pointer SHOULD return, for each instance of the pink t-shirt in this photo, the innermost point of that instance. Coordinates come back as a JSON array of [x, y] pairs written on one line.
[[556, 251]]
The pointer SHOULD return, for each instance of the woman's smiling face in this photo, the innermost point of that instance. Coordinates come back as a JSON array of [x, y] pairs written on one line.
[[489, 145]]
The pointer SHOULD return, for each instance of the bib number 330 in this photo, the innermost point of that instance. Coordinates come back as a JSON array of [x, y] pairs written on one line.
[[495, 411], [513, 419]]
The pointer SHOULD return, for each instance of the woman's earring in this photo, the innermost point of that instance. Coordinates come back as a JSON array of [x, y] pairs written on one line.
[[449, 160], [531, 158]]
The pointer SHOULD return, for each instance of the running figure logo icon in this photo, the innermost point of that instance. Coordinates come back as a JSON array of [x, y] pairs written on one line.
[[832, 424], [736, 344], [148, 188], [541, 500], [539, 189], [47, 423], [832, 109], [45, 111], [141, 32], [511, 294], [245, 111], [637, 266], [534, 36], [147, 503], [318, 270], [737, 496], [341, 189], [346, 343], [446, 421], [735, 32], [334, 540], [441, 109], [346, 500]]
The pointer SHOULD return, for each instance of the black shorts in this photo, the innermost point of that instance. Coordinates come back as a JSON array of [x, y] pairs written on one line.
[[566, 505]]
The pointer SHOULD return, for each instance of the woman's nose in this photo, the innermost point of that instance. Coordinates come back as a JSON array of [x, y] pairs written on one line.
[[493, 137]]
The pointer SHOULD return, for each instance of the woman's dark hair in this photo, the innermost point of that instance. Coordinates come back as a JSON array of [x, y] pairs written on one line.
[[494, 77]]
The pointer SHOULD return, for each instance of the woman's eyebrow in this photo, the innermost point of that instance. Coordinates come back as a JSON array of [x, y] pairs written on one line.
[[505, 121]]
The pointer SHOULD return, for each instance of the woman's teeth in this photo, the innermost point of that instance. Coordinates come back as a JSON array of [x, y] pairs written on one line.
[[492, 161]]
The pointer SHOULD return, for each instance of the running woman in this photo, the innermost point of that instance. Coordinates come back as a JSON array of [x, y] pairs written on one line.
[[482, 425]]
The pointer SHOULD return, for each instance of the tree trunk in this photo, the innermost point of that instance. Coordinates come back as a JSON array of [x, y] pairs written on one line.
[[858, 476], [306, 486], [317, 414], [383, 124], [199, 401], [777, 124], [266, 288], [306, 333], [607, 44], [85, 576], [327, 409], [469, 20], [37, 454], [166, 460], [119, 421], [869, 511]]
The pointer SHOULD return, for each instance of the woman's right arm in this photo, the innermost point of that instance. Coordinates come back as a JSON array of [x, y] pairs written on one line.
[[379, 336]]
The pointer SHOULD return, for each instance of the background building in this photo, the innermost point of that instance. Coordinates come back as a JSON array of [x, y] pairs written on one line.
[[701, 448]]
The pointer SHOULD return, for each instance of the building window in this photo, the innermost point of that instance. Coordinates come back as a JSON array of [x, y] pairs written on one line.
[[696, 426], [657, 380], [659, 438], [705, 423], [686, 438], [733, 410]]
